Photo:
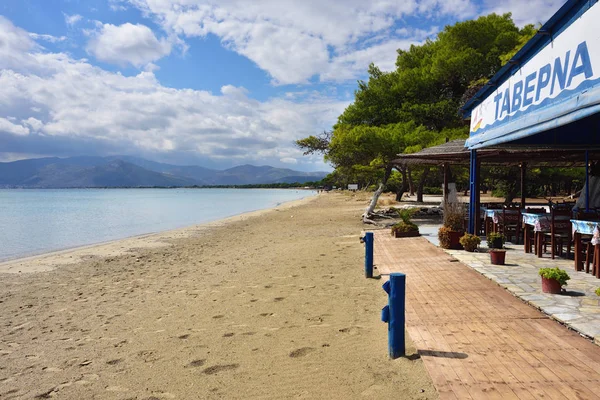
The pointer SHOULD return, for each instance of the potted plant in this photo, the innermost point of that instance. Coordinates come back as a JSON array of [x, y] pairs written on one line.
[[453, 228], [553, 279], [495, 240], [405, 228], [497, 256], [470, 242]]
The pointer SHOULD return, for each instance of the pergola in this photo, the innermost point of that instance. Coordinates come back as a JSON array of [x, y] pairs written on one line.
[[455, 153], [545, 99]]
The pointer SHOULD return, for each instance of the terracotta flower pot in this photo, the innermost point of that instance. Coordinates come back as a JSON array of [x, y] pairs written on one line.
[[455, 240], [551, 286], [497, 257]]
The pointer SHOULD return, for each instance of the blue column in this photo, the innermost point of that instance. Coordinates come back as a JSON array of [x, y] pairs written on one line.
[[394, 315], [368, 240], [473, 190], [587, 181]]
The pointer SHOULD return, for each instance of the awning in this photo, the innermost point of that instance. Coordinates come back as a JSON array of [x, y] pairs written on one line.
[[549, 93]]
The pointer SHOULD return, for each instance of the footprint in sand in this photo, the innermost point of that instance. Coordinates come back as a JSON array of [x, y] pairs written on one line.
[[279, 298], [115, 361], [301, 352], [147, 356], [215, 369], [265, 314], [197, 363], [230, 334], [183, 336], [218, 316]]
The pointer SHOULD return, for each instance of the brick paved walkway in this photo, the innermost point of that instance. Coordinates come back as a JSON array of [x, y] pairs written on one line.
[[477, 340]]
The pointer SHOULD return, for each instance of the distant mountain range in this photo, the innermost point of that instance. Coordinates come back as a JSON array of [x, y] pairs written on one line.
[[128, 171]]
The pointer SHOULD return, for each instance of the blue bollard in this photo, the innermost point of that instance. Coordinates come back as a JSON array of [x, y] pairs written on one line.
[[368, 241], [393, 314]]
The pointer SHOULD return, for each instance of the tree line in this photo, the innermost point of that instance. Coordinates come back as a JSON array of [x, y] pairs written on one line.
[[417, 106]]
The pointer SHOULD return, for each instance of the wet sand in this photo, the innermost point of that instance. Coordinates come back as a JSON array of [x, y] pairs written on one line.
[[270, 304]]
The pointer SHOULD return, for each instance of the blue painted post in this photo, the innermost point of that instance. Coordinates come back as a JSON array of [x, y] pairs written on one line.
[[393, 314], [473, 189], [368, 241], [587, 181]]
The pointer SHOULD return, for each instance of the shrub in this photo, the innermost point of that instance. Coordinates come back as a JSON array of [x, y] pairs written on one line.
[[403, 227], [406, 214], [433, 190], [598, 291], [444, 237], [555, 273], [454, 216], [492, 237], [470, 242], [406, 225]]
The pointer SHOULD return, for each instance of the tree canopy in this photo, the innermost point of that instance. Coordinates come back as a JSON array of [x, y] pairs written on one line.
[[417, 104]]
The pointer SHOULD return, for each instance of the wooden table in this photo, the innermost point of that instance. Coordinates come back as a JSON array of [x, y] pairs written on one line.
[[536, 223], [589, 228]]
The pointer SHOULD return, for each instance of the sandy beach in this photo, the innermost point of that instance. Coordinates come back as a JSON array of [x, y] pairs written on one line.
[[269, 304]]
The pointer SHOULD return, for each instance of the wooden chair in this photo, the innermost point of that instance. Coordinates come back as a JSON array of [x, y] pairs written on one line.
[[560, 234], [511, 222], [586, 242]]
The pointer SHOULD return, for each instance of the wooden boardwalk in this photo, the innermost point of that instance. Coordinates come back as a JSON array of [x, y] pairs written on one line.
[[477, 340]]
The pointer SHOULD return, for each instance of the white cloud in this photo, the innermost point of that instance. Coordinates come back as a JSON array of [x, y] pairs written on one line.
[[48, 38], [288, 160], [524, 12], [295, 41], [71, 20], [63, 102], [127, 44], [14, 129]]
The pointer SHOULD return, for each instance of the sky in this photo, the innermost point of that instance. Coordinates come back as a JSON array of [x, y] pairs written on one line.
[[215, 83]]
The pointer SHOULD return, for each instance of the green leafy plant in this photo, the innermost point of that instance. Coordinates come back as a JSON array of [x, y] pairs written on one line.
[[493, 237], [406, 225], [598, 291], [470, 242], [555, 273], [444, 237], [406, 214], [454, 216]]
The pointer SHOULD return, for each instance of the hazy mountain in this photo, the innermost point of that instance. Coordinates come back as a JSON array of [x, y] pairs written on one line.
[[114, 173], [250, 174], [127, 171]]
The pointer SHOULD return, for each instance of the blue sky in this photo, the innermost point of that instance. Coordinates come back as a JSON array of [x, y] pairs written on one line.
[[213, 83]]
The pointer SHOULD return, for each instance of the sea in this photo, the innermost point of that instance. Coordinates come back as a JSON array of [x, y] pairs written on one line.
[[36, 221]]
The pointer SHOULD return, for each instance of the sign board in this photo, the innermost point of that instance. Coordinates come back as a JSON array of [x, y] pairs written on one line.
[[353, 186], [548, 87]]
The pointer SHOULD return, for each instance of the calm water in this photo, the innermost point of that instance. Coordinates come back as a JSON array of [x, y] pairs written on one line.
[[39, 221]]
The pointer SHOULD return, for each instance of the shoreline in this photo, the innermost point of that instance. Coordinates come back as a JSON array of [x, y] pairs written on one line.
[[48, 261], [268, 304]]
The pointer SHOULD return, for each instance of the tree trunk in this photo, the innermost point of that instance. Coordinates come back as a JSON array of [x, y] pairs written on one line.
[[411, 184], [404, 186], [421, 185], [373, 203]]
